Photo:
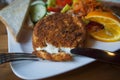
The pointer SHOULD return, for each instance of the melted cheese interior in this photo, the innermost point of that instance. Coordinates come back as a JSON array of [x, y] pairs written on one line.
[[52, 49]]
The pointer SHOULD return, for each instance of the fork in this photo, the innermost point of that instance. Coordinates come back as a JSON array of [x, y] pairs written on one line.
[[9, 57]]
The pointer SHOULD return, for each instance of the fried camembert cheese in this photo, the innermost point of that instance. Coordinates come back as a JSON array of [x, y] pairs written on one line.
[[55, 35]]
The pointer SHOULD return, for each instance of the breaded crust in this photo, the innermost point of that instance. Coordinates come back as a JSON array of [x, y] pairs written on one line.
[[60, 30]]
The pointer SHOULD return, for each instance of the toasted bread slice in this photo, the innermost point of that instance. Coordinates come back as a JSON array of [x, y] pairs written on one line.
[[15, 17]]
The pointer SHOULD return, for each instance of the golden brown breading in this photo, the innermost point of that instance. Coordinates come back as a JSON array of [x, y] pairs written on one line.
[[61, 56], [59, 30]]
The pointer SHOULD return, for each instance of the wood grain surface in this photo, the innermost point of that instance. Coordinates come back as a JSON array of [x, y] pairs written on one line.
[[93, 71]]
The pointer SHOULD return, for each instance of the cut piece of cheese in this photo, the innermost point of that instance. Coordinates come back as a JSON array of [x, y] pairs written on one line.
[[15, 17]]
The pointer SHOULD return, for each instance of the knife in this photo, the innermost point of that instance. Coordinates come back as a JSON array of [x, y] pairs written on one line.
[[101, 55]]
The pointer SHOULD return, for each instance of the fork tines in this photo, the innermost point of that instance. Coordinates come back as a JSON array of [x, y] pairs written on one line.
[[8, 57]]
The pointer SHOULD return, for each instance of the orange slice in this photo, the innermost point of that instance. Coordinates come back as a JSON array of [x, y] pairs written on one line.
[[111, 23]]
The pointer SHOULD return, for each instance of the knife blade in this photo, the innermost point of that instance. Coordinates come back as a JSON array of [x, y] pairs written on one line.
[[101, 55]]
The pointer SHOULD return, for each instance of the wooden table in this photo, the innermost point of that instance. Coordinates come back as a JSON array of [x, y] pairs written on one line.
[[93, 71]]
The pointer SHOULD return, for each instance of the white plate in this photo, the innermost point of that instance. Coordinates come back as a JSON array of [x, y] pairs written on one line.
[[44, 69]]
